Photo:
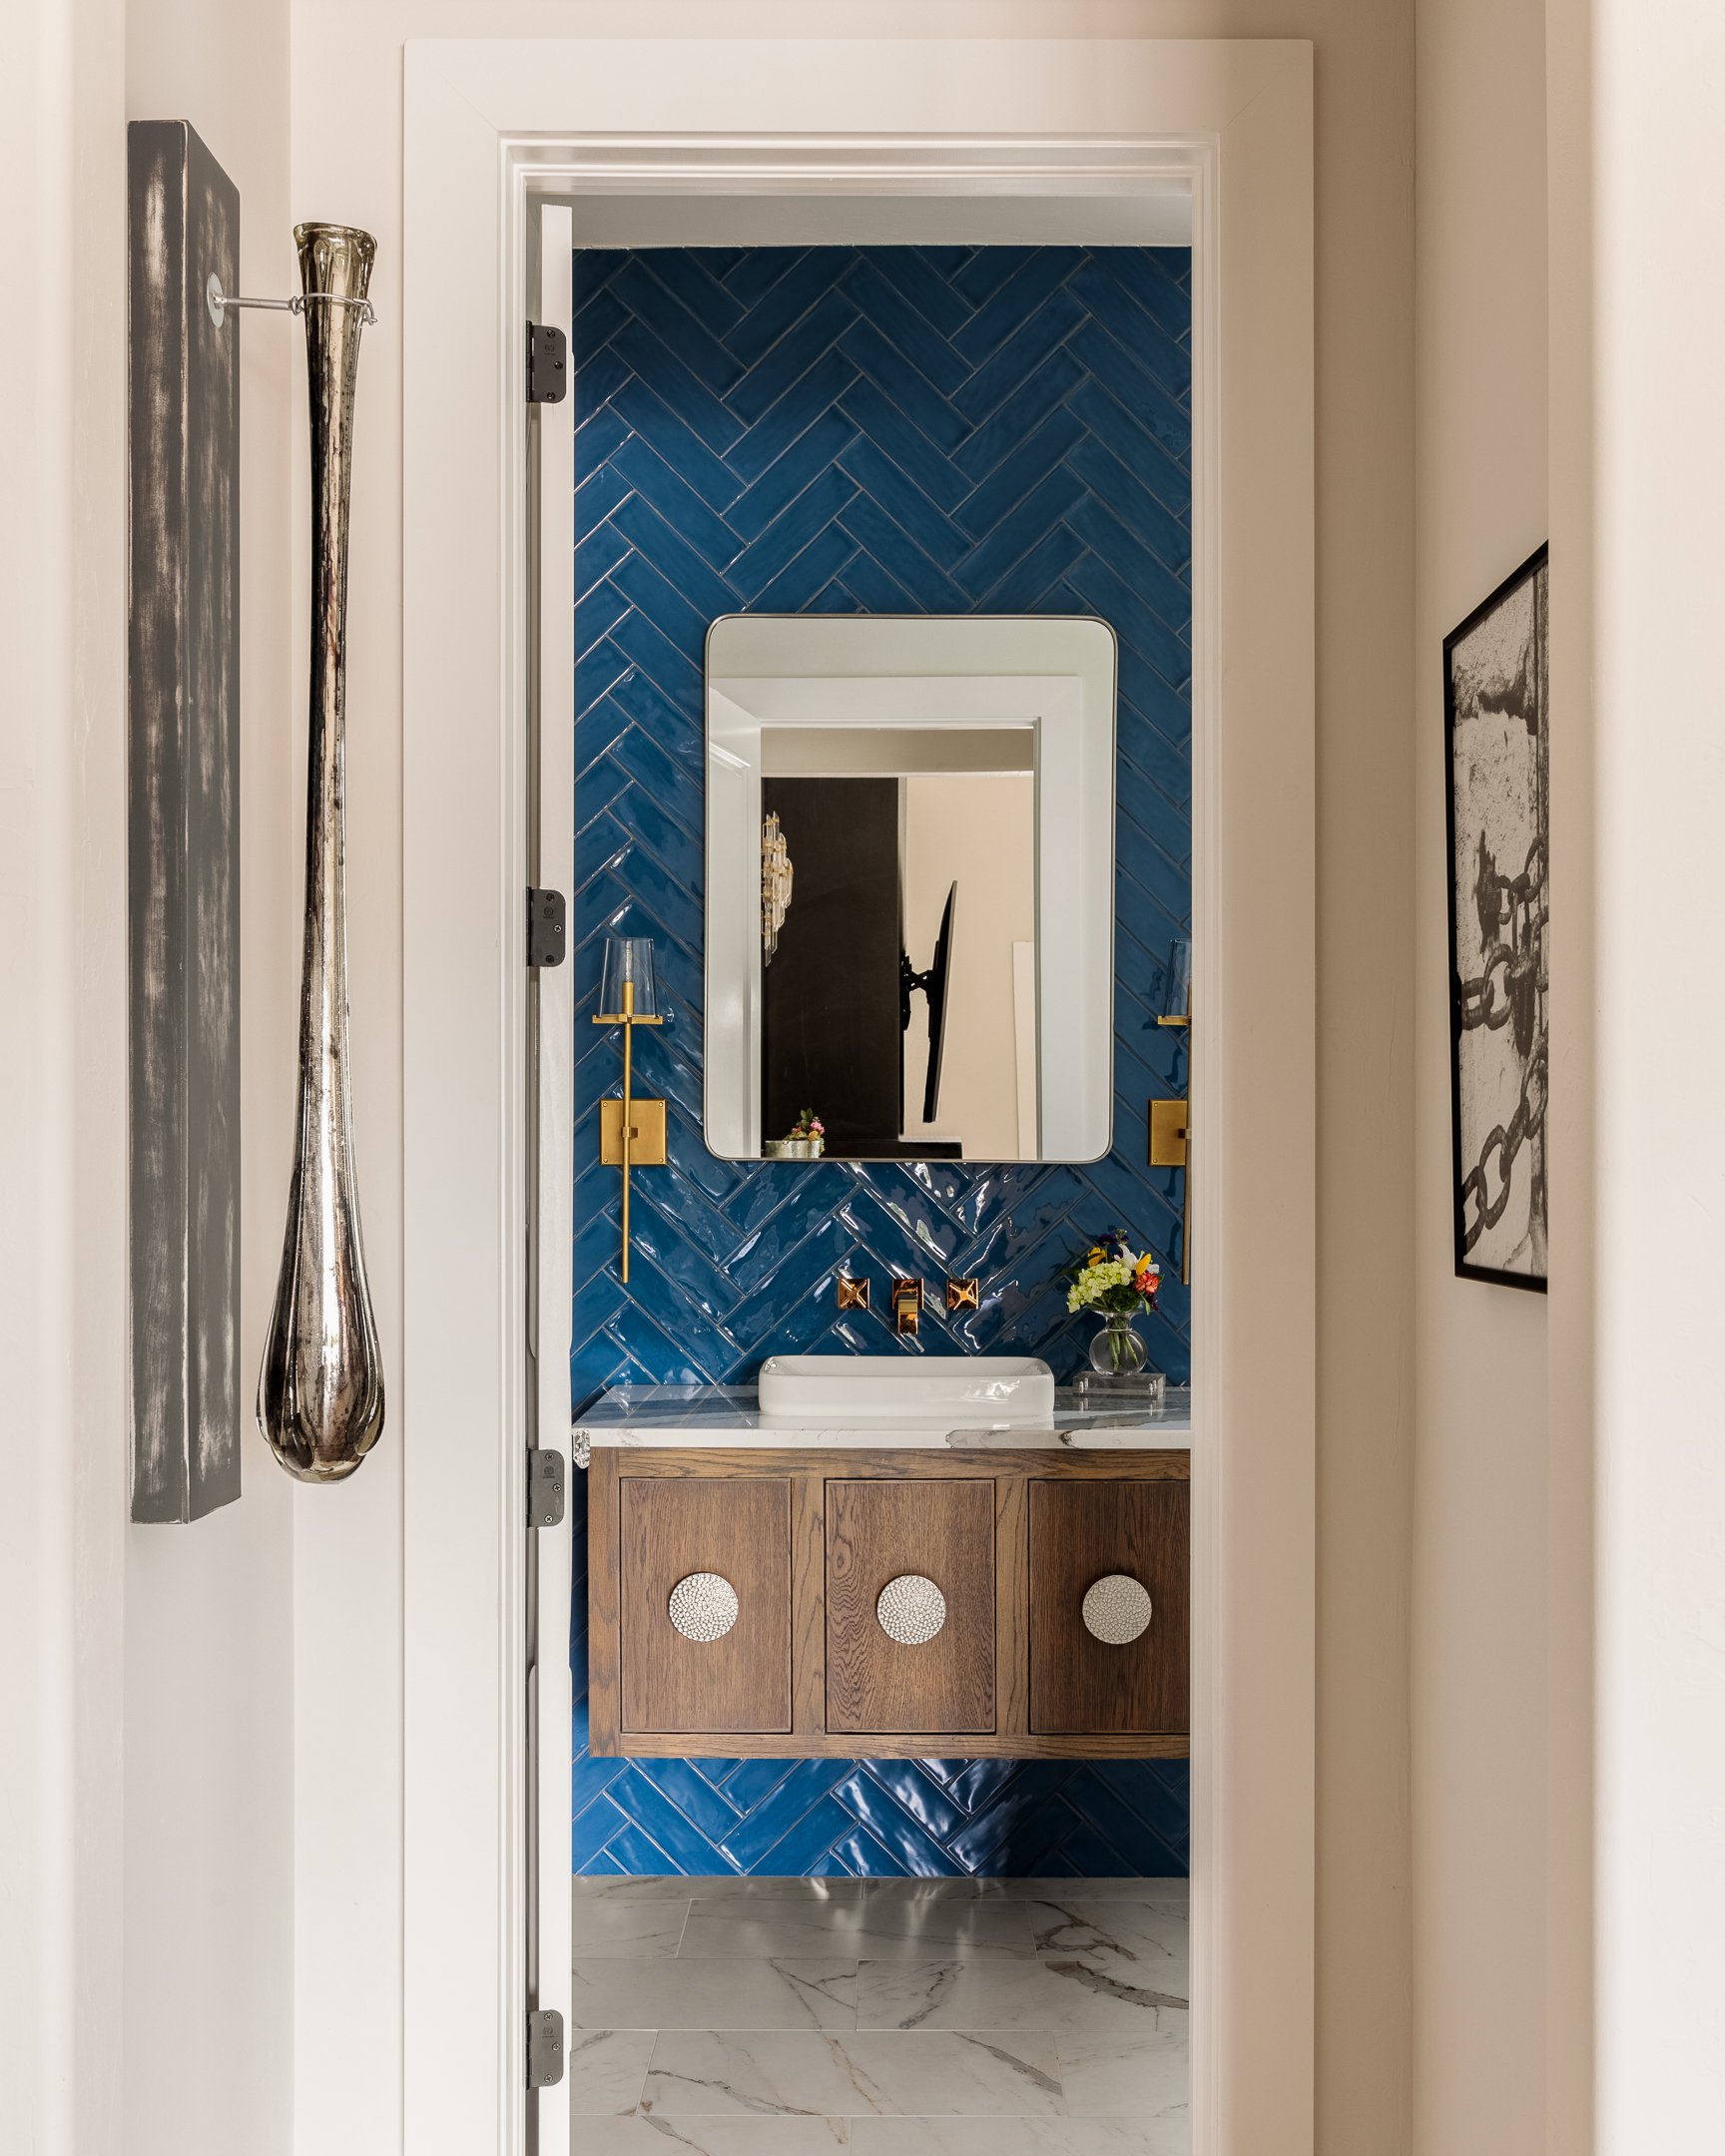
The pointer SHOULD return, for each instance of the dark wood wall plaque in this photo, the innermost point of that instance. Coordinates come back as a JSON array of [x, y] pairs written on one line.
[[183, 705]]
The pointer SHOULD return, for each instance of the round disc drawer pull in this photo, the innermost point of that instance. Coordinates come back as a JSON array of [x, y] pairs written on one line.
[[704, 1606], [910, 1609], [1117, 1609]]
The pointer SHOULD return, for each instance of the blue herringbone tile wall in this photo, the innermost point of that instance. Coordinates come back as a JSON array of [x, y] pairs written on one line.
[[990, 430]]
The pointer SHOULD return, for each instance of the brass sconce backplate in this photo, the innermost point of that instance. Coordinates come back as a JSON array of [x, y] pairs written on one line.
[[1166, 1134], [647, 1128], [852, 1294]]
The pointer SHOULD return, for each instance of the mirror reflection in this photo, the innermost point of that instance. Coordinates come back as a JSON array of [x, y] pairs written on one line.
[[909, 888]]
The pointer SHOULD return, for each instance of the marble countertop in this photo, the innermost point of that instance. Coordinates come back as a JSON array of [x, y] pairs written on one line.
[[730, 1416]]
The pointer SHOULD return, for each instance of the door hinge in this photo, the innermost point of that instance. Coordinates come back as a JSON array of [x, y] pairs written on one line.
[[547, 927], [544, 2048], [548, 364], [546, 1480]]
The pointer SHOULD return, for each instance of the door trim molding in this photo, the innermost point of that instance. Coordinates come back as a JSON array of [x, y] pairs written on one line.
[[494, 128]]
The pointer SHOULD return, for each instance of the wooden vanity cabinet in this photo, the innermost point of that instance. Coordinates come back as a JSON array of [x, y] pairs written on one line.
[[879, 1531], [806, 1541], [675, 1530]]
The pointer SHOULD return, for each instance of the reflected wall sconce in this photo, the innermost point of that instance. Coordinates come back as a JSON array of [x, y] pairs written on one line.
[[1171, 1120], [630, 1131]]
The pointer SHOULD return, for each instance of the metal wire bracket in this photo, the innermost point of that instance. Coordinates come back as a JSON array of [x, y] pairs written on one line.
[[218, 302]]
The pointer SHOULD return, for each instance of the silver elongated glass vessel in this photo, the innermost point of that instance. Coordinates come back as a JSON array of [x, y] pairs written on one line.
[[320, 1390]]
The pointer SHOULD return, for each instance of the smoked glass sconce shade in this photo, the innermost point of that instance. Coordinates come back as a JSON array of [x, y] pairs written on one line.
[[628, 964], [1177, 985]]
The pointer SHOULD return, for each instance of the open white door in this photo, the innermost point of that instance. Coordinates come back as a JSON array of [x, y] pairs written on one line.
[[551, 1017]]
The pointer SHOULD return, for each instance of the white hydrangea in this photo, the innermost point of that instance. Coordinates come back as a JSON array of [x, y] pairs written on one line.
[[1096, 1280]]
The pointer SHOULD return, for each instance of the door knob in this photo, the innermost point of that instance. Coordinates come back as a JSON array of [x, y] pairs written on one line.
[[1117, 1609], [704, 1606], [910, 1609]]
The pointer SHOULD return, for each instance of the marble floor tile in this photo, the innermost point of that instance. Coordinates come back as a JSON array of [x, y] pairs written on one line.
[[978, 2074], [702, 1993], [1094, 1889], [686, 2135], [679, 1887], [1149, 1938], [1018, 2137], [636, 1929], [1055, 1991], [1145, 2076], [876, 1929], [606, 2068], [1024, 1890], [588, 1888]]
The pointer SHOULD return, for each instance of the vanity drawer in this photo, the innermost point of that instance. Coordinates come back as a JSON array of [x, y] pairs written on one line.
[[669, 1531], [881, 1531], [1082, 1532]]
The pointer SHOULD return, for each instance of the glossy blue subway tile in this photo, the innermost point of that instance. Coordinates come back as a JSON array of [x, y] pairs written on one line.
[[891, 488], [682, 565], [1021, 354], [807, 397], [640, 286], [797, 467], [782, 302], [915, 466], [1149, 402], [875, 1809], [789, 358], [878, 536], [916, 281], [1010, 305], [801, 519], [780, 1810], [907, 329], [1023, 588], [980, 275], [806, 575], [1031, 524], [668, 433], [900, 380]]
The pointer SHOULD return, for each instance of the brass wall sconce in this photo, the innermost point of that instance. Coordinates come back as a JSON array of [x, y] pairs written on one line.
[[964, 1292], [852, 1294], [631, 1132], [1171, 1120], [906, 1305]]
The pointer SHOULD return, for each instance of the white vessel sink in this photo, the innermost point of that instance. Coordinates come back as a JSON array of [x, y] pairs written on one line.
[[955, 1390]]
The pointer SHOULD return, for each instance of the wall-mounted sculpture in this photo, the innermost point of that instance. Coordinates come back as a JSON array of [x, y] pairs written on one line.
[[183, 839], [320, 1390]]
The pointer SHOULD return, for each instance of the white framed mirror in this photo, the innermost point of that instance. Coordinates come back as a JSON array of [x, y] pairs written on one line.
[[909, 886]]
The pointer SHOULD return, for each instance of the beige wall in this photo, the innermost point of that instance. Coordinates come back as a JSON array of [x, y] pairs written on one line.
[[348, 163], [145, 1961], [1478, 1637]]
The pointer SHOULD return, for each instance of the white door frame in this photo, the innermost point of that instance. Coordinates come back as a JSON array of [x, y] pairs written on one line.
[[494, 128]]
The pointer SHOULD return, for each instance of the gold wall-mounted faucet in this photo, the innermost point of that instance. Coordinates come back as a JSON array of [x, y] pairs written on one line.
[[906, 1305]]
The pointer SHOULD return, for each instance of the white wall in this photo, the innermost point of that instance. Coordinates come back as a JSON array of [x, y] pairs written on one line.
[[981, 831], [1478, 1612], [148, 1899]]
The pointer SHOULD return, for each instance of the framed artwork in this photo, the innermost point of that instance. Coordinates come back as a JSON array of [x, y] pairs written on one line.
[[1497, 727]]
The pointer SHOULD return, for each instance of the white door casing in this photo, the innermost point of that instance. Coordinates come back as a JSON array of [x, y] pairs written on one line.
[[494, 130]]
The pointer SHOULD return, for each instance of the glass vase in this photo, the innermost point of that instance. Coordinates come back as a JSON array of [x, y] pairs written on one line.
[[1117, 1351]]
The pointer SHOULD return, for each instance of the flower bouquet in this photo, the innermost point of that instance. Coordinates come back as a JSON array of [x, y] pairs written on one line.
[[804, 1140], [1117, 1282]]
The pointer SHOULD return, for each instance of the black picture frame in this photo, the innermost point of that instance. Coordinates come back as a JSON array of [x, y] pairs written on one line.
[[1497, 785]]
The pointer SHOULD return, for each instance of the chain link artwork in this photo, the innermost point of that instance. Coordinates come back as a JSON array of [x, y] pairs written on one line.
[[1496, 691]]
